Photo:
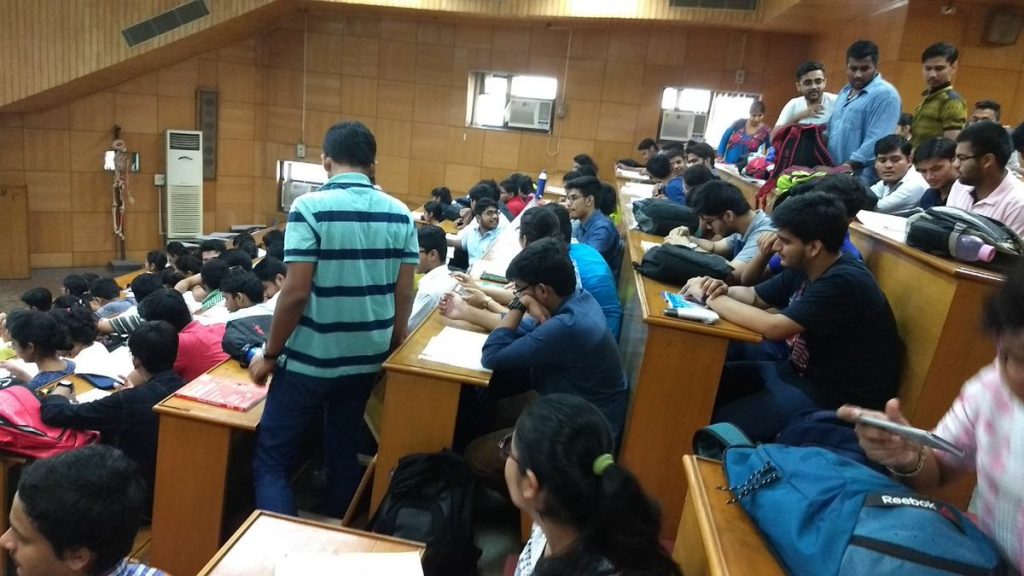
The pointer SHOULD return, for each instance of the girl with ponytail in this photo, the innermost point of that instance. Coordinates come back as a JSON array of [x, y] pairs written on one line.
[[36, 337], [590, 515]]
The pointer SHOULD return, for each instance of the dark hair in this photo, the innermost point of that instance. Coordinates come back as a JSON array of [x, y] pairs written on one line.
[[168, 277], [75, 284], [935, 148], [155, 345], [518, 184], [432, 239], [717, 197], [988, 138], [862, 49], [905, 119], [40, 329], [537, 223], [808, 66], [813, 216], [79, 321], [588, 186], [443, 194], [272, 236], [176, 249], [91, 498], [168, 305], [434, 208], [647, 144], [237, 257], [849, 190], [157, 258], [545, 261], [564, 220], [145, 284], [243, 282], [892, 143], [250, 248], [941, 50], [105, 287], [351, 143], [1004, 311], [242, 238], [659, 166], [583, 170], [1017, 137], [558, 438], [65, 301], [189, 264], [585, 160], [483, 204], [213, 272], [276, 250], [696, 175], [606, 201], [702, 150], [213, 245], [38, 298], [673, 150], [757, 105], [990, 105], [90, 277], [268, 269], [485, 189]]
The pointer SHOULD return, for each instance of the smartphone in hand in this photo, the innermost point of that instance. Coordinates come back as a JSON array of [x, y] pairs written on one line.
[[913, 434]]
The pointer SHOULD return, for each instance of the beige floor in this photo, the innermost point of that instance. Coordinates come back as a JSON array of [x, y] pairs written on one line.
[[50, 278]]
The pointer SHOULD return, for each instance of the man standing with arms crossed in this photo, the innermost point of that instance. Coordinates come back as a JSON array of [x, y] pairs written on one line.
[[351, 252]]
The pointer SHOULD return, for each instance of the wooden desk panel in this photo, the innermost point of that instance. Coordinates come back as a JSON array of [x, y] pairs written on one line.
[[265, 537], [747, 187]]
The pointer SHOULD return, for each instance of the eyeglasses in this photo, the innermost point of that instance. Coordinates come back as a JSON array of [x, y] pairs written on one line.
[[505, 448], [573, 197], [963, 159], [518, 291]]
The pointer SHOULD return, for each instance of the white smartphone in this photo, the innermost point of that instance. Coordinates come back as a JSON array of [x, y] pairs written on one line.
[[916, 434]]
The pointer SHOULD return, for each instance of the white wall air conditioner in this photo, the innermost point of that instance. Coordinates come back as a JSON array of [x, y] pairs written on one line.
[[290, 190], [530, 113], [682, 126], [184, 183]]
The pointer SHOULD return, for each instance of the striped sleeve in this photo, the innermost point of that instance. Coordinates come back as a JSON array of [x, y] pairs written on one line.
[[301, 239]]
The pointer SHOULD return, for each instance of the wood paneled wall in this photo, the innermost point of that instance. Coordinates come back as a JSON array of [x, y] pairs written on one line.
[[405, 78]]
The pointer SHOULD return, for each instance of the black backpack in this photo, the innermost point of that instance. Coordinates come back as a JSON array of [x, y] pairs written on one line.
[[243, 334], [676, 264], [933, 231], [660, 216], [430, 500]]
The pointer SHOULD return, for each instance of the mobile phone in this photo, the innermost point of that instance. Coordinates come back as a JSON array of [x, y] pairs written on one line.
[[915, 434], [488, 277]]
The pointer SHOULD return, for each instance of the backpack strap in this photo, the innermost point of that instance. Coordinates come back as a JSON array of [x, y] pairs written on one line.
[[712, 441]]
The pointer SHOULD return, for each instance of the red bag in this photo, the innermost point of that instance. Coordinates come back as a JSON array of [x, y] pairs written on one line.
[[23, 433]]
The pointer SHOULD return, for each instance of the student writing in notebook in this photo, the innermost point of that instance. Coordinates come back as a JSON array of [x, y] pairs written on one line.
[[38, 339]]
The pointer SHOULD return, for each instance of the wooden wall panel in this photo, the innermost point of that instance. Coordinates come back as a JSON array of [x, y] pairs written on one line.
[[14, 221]]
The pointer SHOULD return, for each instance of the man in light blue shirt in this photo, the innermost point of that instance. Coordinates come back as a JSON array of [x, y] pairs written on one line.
[[595, 229], [477, 240], [866, 109]]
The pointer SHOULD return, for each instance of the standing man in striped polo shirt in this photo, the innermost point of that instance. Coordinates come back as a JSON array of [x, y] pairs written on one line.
[[351, 252]]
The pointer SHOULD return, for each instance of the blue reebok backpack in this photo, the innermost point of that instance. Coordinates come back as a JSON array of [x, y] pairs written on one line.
[[824, 514]]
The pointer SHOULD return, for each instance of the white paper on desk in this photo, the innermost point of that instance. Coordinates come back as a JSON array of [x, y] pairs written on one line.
[[456, 347], [417, 215], [554, 191], [638, 190], [91, 395], [631, 175], [350, 564], [645, 245], [887, 225]]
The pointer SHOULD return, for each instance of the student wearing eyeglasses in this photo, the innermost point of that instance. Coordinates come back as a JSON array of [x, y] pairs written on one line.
[[985, 186]]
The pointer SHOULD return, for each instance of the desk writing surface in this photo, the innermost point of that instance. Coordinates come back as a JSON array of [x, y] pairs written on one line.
[[407, 357], [266, 537], [247, 420], [863, 236]]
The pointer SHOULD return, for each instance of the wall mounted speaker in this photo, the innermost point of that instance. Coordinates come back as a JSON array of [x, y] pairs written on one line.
[[1003, 26], [206, 103]]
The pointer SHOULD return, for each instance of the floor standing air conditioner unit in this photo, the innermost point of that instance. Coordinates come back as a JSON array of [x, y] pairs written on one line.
[[184, 183]]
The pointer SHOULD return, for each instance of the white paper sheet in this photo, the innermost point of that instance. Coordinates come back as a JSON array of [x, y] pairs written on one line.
[[645, 245], [350, 564], [457, 347], [91, 395], [887, 225]]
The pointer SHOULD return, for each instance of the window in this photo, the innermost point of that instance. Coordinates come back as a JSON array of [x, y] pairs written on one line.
[[297, 178], [517, 102], [699, 114]]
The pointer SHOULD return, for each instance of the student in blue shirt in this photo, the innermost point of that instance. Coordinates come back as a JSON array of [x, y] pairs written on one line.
[[595, 229], [866, 109], [477, 240]]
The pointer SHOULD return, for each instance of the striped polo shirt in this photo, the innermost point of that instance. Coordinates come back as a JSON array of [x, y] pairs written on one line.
[[357, 237]]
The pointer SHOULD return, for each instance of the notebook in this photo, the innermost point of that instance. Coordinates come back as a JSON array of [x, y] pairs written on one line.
[[223, 392]]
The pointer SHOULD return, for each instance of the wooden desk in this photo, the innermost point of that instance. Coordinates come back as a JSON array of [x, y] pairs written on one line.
[[265, 537], [125, 280], [716, 538], [447, 225], [259, 234], [674, 367], [193, 455]]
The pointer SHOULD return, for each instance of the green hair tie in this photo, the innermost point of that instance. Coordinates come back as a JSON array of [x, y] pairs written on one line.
[[602, 462]]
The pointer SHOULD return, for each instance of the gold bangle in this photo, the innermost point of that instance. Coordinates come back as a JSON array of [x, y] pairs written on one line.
[[917, 468]]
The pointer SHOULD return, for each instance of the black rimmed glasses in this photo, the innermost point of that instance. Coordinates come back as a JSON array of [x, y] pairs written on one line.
[[518, 291], [505, 448]]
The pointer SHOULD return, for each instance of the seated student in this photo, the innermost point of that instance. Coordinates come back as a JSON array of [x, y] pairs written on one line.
[[210, 249], [842, 336], [905, 127], [204, 288], [433, 213], [81, 326], [90, 277], [170, 277], [590, 514], [435, 281], [175, 250], [106, 298], [480, 190], [595, 229], [933, 159], [156, 261], [199, 346], [985, 186], [900, 187], [693, 178], [647, 148], [986, 110], [584, 160], [985, 421], [244, 295], [250, 249], [724, 209], [237, 258], [126, 419], [276, 250], [701, 153], [188, 265], [1017, 137], [478, 239], [142, 285], [660, 170], [516, 192], [667, 171], [77, 514], [272, 236], [37, 299], [443, 196], [271, 273], [75, 285], [37, 338]]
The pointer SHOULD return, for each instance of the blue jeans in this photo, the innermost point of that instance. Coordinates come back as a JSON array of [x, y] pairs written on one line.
[[760, 398], [293, 401]]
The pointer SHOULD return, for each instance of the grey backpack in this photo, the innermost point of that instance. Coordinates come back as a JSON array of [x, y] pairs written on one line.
[[936, 229]]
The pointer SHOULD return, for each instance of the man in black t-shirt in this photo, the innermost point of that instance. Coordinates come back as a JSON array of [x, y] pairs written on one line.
[[837, 323]]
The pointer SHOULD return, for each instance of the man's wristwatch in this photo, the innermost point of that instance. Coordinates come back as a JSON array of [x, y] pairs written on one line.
[[268, 355], [515, 304]]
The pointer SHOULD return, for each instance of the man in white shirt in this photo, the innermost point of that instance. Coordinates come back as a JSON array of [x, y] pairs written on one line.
[[901, 186], [436, 280], [814, 105]]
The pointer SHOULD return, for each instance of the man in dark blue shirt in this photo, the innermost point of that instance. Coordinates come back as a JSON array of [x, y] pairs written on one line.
[[596, 230], [933, 158]]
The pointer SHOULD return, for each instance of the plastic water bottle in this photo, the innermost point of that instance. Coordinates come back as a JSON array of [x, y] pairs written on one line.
[[971, 248], [542, 181]]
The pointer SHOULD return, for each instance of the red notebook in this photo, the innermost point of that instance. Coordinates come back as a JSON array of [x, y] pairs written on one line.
[[223, 392]]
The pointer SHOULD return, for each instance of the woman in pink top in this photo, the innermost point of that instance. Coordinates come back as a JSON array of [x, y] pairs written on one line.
[[986, 421]]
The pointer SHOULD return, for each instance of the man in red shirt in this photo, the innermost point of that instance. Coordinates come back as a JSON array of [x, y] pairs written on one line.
[[199, 346]]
